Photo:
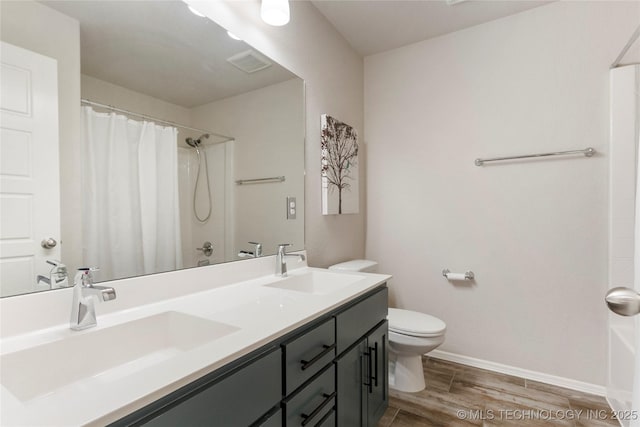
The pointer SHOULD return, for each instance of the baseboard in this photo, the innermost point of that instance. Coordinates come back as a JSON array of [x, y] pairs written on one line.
[[519, 372]]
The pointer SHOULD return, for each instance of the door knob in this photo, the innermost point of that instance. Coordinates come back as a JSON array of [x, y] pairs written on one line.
[[48, 243], [623, 301]]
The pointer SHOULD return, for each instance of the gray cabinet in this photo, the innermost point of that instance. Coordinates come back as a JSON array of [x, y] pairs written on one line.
[[377, 384], [330, 372], [362, 369], [273, 419], [313, 404], [351, 371], [224, 402], [307, 354]]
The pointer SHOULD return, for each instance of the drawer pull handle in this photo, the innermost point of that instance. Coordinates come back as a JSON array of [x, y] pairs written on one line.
[[307, 418], [307, 363]]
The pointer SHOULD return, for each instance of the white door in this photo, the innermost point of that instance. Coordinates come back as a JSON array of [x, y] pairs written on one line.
[[29, 168], [623, 384]]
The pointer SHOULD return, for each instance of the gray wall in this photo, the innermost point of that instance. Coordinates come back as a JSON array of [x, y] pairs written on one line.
[[536, 232], [311, 48]]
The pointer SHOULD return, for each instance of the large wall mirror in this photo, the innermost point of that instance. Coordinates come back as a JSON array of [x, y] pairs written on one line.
[[179, 146]]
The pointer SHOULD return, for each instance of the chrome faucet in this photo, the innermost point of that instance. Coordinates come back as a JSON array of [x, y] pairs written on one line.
[[281, 259], [83, 310], [58, 277], [257, 251]]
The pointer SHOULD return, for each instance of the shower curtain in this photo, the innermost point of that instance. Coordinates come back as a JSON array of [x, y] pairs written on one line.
[[131, 217]]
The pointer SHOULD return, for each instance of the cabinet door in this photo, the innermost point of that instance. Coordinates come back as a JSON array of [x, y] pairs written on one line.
[[377, 382], [351, 369], [237, 400]]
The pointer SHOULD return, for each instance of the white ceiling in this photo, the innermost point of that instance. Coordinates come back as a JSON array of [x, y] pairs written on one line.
[[161, 49], [373, 26]]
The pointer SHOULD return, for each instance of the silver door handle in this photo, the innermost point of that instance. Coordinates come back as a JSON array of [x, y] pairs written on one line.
[[623, 301], [48, 243]]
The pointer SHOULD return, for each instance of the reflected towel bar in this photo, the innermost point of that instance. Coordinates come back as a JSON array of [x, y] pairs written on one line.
[[260, 180], [587, 152]]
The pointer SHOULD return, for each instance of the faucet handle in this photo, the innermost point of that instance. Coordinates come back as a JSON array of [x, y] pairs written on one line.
[[283, 245], [84, 276]]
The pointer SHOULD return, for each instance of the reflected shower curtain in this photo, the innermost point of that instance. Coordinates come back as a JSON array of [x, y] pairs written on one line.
[[131, 218]]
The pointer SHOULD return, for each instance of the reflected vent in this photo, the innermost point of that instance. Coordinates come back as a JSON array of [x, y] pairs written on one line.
[[249, 61]]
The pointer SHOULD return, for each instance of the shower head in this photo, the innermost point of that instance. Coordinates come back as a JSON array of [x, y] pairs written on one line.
[[195, 143]]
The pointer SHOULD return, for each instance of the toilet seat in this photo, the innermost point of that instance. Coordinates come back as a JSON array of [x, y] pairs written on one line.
[[412, 323]]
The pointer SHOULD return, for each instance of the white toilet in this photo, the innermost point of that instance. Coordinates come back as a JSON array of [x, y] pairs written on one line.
[[411, 334]]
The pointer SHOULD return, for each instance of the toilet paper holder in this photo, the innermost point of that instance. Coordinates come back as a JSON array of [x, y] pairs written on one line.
[[468, 275]]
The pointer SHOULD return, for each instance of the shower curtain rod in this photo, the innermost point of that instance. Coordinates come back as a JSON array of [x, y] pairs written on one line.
[[156, 120]]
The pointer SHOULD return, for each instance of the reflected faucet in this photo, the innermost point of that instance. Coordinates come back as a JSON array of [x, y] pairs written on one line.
[[257, 251], [83, 310], [58, 277], [281, 259]]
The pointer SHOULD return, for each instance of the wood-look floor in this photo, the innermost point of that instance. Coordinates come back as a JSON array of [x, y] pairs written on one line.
[[459, 395]]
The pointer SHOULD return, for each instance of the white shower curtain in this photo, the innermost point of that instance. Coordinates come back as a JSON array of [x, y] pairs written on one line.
[[131, 217]]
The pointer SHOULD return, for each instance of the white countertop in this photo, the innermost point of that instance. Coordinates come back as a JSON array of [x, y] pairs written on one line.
[[261, 313]]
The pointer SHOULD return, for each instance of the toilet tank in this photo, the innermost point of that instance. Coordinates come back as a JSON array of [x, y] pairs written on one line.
[[362, 265]]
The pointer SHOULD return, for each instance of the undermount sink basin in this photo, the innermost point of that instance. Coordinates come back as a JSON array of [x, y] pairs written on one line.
[[109, 353], [316, 282]]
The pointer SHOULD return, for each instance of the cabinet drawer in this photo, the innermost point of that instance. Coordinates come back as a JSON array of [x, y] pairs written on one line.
[[225, 402], [307, 354], [359, 319], [328, 420], [273, 420], [310, 406]]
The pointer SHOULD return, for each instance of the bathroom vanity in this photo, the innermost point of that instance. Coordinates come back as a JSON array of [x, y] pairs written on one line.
[[332, 369], [309, 349]]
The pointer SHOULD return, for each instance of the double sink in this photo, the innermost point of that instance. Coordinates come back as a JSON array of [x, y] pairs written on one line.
[[113, 352]]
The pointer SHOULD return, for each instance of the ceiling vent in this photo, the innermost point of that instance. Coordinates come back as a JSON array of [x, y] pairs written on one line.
[[249, 61]]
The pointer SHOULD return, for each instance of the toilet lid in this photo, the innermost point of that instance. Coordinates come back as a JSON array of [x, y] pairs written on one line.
[[413, 323]]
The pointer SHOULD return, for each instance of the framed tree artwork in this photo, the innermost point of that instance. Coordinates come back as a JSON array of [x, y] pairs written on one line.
[[339, 147]]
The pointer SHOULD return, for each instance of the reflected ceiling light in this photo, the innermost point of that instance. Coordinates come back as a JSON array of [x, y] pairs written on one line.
[[233, 36], [195, 12], [275, 12]]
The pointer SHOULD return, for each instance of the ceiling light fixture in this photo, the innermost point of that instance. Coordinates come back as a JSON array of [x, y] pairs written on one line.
[[195, 12], [233, 36], [275, 12]]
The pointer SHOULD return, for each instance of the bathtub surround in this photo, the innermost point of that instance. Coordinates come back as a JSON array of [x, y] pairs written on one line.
[[534, 232]]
